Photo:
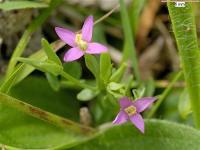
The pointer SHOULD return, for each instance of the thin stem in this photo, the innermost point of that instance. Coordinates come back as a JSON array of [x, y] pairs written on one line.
[[107, 15], [77, 82], [44, 115], [129, 52], [164, 95]]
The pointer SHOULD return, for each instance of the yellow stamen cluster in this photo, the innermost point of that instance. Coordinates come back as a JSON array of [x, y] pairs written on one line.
[[131, 110], [83, 45]]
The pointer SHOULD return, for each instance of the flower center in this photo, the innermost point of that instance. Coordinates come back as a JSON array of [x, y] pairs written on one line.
[[131, 110], [83, 45]]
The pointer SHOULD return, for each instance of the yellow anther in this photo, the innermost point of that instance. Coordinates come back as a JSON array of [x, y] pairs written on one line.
[[131, 110], [81, 43]]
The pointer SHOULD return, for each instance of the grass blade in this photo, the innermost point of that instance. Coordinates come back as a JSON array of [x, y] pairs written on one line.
[[14, 5], [183, 23], [129, 51]]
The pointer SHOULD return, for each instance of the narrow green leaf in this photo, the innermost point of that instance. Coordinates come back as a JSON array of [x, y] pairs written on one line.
[[128, 85], [129, 51], [105, 67], [117, 75], [150, 87], [53, 81], [6, 86], [135, 10], [117, 90], [13, 5], [73, 68], [159, 135], [50, 53], [23, 70], [44, 66], [26, 69], [184, 27], [92, 65], [138, 93]]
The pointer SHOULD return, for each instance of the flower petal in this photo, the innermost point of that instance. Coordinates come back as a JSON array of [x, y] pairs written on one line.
[[96, 48], [66, 35], [73, 54], [143, 103], [87, 29], [138, 121], [125, 102], [120, 118]]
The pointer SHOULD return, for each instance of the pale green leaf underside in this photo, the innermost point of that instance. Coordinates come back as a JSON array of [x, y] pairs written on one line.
[[13, 5], [159, 135]]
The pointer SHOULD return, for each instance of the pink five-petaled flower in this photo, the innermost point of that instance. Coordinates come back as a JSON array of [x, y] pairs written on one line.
[[131, 110], [80, 42]]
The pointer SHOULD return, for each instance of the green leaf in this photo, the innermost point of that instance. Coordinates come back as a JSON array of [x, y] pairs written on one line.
[[37, 92], [184, 106], [13, 5], [92, 65], [50, 53], [25, 132], [138, 93], [150, 87], [86, 95], [44, 66], [118, 74], [53, 81], [105, 67], [129, 52], [115, 86], [184, 27], [135, 11], [23, 70], [128, 85], [116, 89], [26, 69], [159, 135], [73, 68], [6, 86]]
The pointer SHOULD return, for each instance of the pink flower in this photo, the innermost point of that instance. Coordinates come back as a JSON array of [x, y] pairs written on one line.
[[131, 110], [80, 42]]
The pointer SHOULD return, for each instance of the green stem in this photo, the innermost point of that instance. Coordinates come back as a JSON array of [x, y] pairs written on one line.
[[164, 95], [44, 115], [77, 82], [184, 27], [129, 52], [27, 35]]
